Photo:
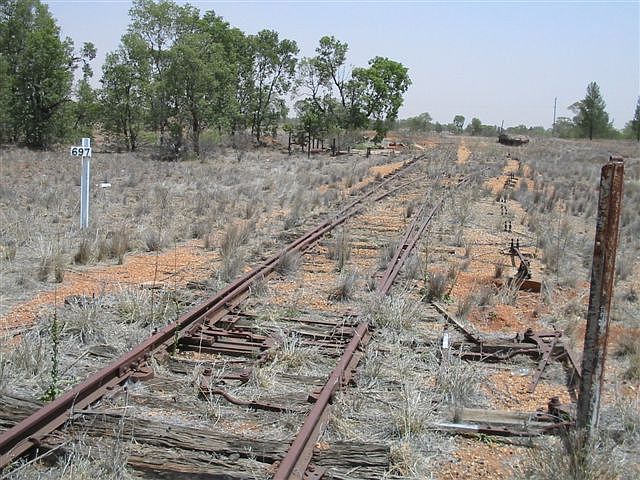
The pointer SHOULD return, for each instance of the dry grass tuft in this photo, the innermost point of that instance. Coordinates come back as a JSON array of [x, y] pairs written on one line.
[[457, 382], [339, 249], [396, 312], [599, 461], [289, 263], [345, 287], [436, 286]]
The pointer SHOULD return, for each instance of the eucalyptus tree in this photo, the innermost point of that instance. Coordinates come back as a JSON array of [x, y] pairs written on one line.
[[200, 78], [458, 123], [350, 99], [124, 94], [633, 125], [273, 70], [37, 73], [382, 87], [159, 24]]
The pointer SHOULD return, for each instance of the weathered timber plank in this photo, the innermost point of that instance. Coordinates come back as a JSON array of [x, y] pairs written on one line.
[[161, 434]]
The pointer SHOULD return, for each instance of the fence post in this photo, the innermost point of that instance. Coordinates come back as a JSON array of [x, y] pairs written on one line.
[[600, 295]]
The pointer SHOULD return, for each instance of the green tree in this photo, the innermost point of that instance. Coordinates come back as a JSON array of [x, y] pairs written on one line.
[[591, 117], [274, 68], [124, 94], [476, 126], [632, 128], [200, 79], [38, 67], [382, 87], [565, 127], [458, 123], [85, 110], [6, 119], [329, 61], [420, 123], [158, 24]]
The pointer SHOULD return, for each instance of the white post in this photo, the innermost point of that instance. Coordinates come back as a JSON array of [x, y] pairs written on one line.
[[84, 183]]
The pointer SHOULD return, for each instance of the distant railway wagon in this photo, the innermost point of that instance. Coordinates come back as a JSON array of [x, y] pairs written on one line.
[[512, 140]]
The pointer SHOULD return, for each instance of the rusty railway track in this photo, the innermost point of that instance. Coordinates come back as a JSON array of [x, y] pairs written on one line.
[[219, 326], [193, 330]]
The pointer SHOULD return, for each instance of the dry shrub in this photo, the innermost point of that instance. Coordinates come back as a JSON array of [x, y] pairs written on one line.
[[236, 235], [152, 240], [411, 417], [396, 312], [436, 286], [83, 253], [340, 249], [289, 263], [44, 269], [231, 266], [597, 461], [413, 267], [344, 288], [457, 382], [116, 244], [386, 254], [58, 268]]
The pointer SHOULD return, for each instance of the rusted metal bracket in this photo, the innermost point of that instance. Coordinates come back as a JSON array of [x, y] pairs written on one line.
[[546, 347], [472, 337], [206, 391]]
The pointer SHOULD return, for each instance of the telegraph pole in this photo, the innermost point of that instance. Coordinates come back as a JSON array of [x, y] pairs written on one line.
[[555, 102]]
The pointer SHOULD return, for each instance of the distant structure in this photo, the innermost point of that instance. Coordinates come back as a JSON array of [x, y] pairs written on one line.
[[512, 140]]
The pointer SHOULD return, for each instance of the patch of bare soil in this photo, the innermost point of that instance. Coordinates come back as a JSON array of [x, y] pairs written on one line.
[[481, 459], [463, 153], [168, 269]]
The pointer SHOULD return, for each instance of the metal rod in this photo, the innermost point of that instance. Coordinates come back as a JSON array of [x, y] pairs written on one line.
[[601, 293]]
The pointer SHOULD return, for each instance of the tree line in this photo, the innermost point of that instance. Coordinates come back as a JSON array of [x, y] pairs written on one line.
[[590, 120], [176, 74]]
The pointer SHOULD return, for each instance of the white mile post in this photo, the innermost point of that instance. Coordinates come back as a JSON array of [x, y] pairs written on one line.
[[85, 152]]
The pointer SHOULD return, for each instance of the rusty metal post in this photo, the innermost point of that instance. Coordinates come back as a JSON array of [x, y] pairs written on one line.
[[601, 293]]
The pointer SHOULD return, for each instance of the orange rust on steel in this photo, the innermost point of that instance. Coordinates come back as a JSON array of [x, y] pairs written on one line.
[[520, 256], [547, 349], [387, 179], [600, 295], [206, 391], [22, 437], [295, 462], [17, 440], [298, 457], [405, 249], [451, 319]]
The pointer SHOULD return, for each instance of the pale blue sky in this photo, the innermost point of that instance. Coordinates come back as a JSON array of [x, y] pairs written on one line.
[[492, 60]]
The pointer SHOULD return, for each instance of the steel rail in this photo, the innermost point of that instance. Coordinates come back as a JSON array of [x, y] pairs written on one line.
[[29, 433], [296, 464], [408, 243], [298, 457]]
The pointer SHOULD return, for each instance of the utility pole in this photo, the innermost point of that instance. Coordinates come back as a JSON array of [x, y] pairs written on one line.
[[553, 129]]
